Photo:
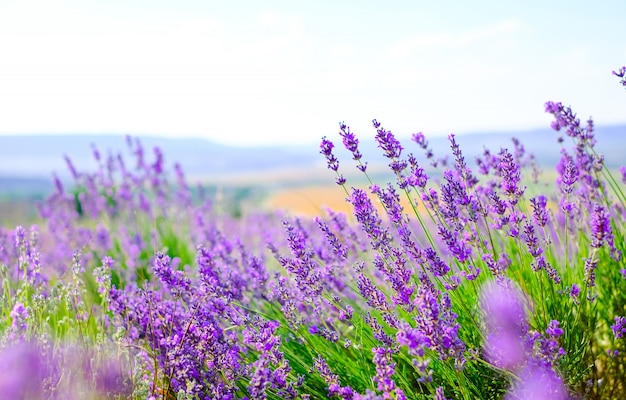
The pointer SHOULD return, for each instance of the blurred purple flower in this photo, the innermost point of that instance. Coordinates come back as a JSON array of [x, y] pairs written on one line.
[[506, 323], [22, 372], [538, 382]]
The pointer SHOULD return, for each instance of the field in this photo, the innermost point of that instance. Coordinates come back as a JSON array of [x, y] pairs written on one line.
[[447, 282]]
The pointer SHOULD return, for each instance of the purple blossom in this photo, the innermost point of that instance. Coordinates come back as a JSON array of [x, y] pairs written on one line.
[[326, 148], [173, 279], [497, 268], [437, 323], [540, 213], [568, 174], [456, 245], [506, 323], [600, 223], [564, 118], [538, 382], [387, 142], [509, 171], [332, 380], [371, 293], [385, 368], [435, 264], [103, 275], [23, 371], [439, 394], [497, 206], [574, 291], [417, 177], [367, 216], [350, 142], [420, 139], [619, 327], [459, 164]]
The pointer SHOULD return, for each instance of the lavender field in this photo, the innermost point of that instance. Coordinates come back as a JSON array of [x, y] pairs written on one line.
[[471, 283]]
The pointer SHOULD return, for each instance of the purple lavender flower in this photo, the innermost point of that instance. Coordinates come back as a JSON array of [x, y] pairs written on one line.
[[385, 368], [540, 213], [417, 177], [506, 324], [367, 216], [19, 317], [547, 349], [563, 118], [456, 245], [600, 223], [497, 206], [387, 142], [574, 291], [619, 327], [103, 275], [326, 148], [351, 143], [23, 370], [420, 139], [459, 164], [332, 380], [371, 293], [509, 170], [497, 268], [173, 279], [439, 394], [538, 382], [568, 174], [435, 264], [437, 323]]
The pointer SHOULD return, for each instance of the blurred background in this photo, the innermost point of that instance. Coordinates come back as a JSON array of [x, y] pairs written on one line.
[[241, 92]]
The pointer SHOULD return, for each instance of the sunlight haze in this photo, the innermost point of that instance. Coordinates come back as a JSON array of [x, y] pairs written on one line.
[[272, 72]]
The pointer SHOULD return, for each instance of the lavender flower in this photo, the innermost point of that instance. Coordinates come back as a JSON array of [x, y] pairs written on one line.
[[619, 327], [173, 279], [332, 380], [540, 213], [103, 275], [538, 382], [385, 368], [351, 143], [367, 216], [600, 226], [417, 177], [459, 164], [574, 291], [509, 170], [23, 371], [568, 174], [547, 349], [326, 148], [506, 324], [387, 142]]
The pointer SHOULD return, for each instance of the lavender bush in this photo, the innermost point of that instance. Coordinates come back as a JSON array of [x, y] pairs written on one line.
[[451, 282]]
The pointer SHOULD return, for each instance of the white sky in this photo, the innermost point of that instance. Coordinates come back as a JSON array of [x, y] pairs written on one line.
[[267, 72]]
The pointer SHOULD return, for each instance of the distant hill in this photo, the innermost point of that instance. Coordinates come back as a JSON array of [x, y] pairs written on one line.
[[37, 156]]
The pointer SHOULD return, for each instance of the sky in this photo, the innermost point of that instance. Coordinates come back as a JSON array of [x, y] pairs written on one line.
[[287, 72]]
